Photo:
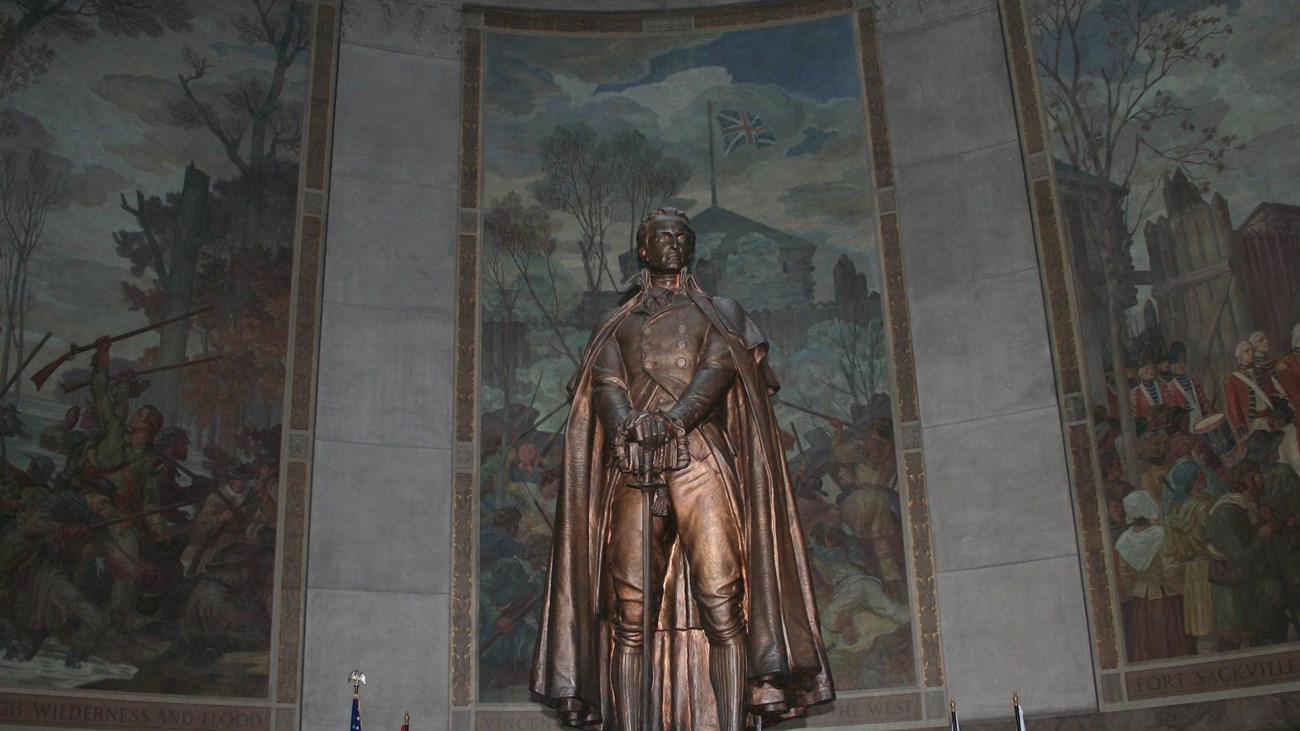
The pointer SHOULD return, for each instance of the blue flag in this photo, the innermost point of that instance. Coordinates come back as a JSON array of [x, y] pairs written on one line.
[[356, 713]]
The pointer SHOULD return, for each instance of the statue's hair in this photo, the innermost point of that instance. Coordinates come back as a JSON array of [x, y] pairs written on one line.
[[643, 229]]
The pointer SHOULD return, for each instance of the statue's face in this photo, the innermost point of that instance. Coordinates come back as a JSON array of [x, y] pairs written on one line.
[[669, 244]]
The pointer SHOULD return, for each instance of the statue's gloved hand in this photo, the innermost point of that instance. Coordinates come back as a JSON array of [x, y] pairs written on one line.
[[650, 429]]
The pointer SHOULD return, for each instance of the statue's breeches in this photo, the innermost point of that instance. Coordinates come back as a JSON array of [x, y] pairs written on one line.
[[703, 519]]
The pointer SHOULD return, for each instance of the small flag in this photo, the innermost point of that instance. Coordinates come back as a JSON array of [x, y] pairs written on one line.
[[356, 678], [743, 128], [953, 723], [1020, 714], [406, 722]]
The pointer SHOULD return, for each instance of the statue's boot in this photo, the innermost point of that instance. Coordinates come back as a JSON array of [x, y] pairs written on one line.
[[627, 688], [727, 671]]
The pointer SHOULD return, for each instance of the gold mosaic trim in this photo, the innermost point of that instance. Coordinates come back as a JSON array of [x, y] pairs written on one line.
[[900, 323], [321, 102], [466, 336], [1058, 288], [462, 512], [902, 358], [471, 100], [291, 583], [304, 327], [741, 15], [733, 16], [462, 591], [873, 84], [305, 335], [927, 595], [1094, 546], [1055, 273], [465, 376]]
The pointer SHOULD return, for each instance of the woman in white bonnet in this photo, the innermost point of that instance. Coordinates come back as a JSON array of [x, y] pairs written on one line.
[[1151, 585]]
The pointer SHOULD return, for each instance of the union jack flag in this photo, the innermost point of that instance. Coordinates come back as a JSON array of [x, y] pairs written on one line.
[[743, 128]]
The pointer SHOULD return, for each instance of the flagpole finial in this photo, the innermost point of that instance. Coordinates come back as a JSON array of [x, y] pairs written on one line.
[[952, 705], [1015, 697], [357, 679], [407, 718]]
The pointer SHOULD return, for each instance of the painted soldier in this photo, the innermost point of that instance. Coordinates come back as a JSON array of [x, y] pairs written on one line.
[[676, 382], [1288, 368], [1184, 389], [1252, 394], [1148, 393]]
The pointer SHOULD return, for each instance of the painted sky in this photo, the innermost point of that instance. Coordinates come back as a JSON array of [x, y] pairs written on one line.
[[800, 79], [1254, 94], [101, 113]]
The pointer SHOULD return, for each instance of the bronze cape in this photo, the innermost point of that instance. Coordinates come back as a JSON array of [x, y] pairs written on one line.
[[788, 670]]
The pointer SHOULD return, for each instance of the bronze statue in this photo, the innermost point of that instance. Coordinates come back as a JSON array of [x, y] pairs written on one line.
[[672, 397]]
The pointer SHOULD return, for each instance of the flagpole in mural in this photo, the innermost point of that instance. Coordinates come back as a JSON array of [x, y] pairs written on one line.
[[713, 165]]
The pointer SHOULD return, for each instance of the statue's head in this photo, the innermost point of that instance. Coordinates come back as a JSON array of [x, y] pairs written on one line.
[[666, 241]]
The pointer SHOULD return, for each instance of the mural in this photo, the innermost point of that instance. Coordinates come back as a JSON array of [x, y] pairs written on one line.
[[760, 135], [1172, 130], [149, 175]]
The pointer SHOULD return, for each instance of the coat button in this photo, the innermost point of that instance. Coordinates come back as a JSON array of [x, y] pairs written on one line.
[[681, 362], [681, 343]]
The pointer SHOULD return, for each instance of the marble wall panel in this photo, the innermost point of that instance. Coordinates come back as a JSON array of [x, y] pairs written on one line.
[[391, 244], [398, 640], [1019, 627], [946, 88], [398, 116], [966, 217], [380, 518], [981, 349], [385, 377], [997, 491]]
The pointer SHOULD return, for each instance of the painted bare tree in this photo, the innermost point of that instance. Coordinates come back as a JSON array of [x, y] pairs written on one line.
[[645, 175], [578, 179], [1104, 66], [29, 189], [251, 120], [519, 259]]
